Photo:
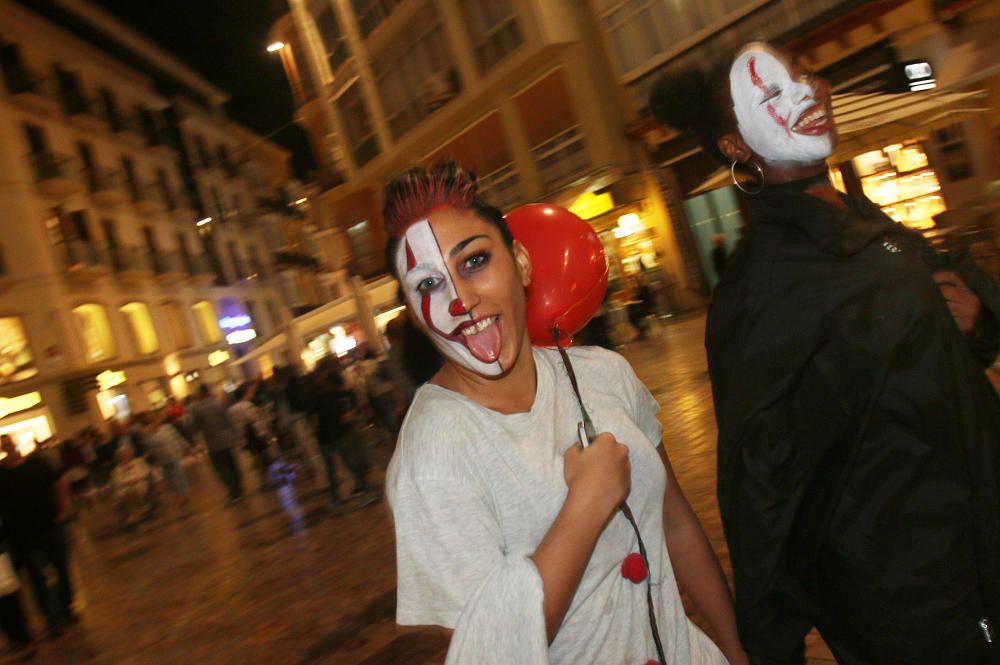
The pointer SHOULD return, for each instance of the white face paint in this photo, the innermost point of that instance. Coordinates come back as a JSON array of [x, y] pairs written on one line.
[[782, 119], [433, 299]]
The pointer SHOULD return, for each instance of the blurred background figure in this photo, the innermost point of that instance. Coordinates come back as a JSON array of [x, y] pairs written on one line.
[[719, 254], [210, 420], [167, 448]]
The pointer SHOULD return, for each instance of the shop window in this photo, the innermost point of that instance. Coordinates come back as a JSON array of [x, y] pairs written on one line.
[[205, 314], [900, 180], [141, 325], [173, 312], [95, 331], [955, 158], [493, 29], [16, 360]]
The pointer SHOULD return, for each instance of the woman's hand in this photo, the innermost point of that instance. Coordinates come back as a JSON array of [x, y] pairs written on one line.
[[600, 474]]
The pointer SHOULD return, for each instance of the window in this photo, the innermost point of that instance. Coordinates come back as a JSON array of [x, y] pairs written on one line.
[[275, 313], [205, 314], [360, 239], [415, 75], [204, 157], [357, 125], [331, 36], [95, 331], [493, 29], [173, 312], [370, 13], [128, 168], [16, 360], [954, 152], [141, 325]]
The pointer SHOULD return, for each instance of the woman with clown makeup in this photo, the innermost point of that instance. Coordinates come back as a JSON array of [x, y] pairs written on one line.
[[859, 438], [509, 533]]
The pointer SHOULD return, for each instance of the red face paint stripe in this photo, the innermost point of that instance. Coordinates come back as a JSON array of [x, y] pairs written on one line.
[[411, 261], [754, 78]]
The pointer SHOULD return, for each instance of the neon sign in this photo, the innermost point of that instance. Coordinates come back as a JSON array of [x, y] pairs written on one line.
[[241, 336], [234, 322]]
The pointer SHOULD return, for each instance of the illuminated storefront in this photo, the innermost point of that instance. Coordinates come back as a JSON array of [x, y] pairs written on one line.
[[901, 181], [112, 400], [25, 420]]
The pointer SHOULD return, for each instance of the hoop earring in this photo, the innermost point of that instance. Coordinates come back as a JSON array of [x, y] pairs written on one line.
[[743, 188]]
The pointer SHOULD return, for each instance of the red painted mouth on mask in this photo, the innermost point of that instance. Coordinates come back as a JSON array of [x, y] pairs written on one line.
[[816, 120]]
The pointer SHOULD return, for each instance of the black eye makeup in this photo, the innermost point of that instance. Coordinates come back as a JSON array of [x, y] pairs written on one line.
[[475, 261]]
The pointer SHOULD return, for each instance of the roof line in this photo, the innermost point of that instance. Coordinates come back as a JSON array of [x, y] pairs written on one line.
[[115, 29]]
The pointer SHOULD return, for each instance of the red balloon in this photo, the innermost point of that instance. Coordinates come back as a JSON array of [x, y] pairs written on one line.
[[569, 271]]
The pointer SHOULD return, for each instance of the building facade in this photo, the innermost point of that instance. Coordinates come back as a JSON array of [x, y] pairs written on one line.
[[135, 262], [521, 92]]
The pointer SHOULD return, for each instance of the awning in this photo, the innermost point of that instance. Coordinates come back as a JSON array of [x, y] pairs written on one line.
[[272, 343], [870, 121]]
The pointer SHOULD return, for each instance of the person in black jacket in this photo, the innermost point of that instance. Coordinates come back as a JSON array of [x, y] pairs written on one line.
[[336, 414], [858, 455]]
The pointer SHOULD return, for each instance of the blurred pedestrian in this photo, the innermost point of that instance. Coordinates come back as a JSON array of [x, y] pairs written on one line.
[[719, 254], [131, 483], [167, 448], [252, 429], [12, 618], [337, 411], [210, 420], [34, 506]]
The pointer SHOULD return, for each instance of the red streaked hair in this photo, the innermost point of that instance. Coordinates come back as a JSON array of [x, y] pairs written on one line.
[[420, 190]]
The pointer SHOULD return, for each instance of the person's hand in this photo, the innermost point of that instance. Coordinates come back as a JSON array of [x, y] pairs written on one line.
[[599, 474], [962, 301]]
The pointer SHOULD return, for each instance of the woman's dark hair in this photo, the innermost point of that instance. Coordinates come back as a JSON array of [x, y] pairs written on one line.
[[412, 196], [698, 101]]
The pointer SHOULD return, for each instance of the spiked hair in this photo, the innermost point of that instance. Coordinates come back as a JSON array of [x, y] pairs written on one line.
[[420, 190]]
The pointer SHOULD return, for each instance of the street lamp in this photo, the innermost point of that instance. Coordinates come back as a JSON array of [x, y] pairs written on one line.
[[275, 46]]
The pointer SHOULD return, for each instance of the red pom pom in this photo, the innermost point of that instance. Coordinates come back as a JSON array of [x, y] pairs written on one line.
[[653, 662], [634, 568]]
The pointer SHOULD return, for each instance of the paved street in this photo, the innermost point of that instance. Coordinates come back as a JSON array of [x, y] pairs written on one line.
[[279, 579]]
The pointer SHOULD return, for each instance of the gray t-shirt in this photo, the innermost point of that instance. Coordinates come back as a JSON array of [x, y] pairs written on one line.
[[474, 491]]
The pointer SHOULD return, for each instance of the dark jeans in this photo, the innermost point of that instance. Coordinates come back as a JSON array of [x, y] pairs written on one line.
[[228, 471], [351, 450], [385, 412], [12, 619], [38, 552]]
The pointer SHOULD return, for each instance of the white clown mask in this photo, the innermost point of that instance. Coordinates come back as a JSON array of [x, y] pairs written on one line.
[[433, 299], [782, 119]]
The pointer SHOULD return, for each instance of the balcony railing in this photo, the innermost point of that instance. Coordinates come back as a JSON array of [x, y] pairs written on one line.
[[52, 166], [25, 81], [80, 254], [502, 188], [100, 179], [562, 158], [201, 265], [150, 197], [168, 263], [129, 259]]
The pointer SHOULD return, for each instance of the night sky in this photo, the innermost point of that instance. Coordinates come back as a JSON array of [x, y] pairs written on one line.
[[225, 41]]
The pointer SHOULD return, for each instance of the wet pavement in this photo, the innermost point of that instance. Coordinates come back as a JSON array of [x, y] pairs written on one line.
[[280, 578]]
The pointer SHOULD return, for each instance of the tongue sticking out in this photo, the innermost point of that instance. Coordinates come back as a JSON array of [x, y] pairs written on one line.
[[485, 345]]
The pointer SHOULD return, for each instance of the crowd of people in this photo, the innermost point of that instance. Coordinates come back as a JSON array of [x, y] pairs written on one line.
[[285, 426]]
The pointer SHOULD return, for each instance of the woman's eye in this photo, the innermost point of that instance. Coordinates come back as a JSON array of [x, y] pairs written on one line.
[[476, 261], [428, 284]]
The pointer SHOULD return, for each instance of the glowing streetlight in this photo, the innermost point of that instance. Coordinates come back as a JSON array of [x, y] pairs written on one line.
[[275, 46]]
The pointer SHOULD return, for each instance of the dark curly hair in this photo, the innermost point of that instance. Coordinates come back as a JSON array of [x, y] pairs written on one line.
[[412, 196], [697, 101]]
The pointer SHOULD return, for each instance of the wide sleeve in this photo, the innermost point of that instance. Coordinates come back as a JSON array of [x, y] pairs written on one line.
[[454, 571]]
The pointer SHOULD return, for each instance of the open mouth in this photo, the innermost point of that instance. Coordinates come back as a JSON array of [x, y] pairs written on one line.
[[482, 337], [814, 121]]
